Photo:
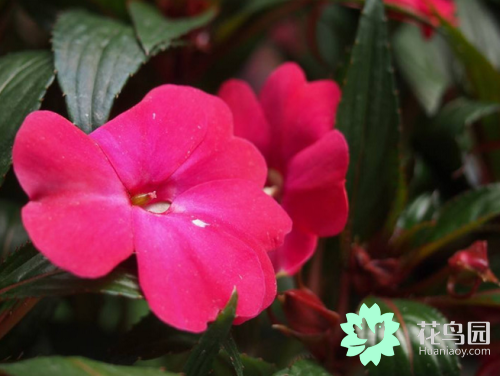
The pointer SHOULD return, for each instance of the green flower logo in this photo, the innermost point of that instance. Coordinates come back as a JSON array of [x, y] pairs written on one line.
[[382, 328]]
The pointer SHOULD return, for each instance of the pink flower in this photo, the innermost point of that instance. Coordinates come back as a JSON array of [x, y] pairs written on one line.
[[427, 9], [292, 125], [168, 180]]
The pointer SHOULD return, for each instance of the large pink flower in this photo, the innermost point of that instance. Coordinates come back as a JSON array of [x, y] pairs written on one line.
[[168, 180], [292, 125]]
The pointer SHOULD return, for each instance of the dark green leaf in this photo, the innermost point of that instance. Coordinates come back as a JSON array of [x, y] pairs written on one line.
[[24, 79], [479, 25], [368, 117], [407, 359], [425, 64], [12, 233], [201, 358], [443, 144], [27, 273], [335, 33], [157, 32], [463, 112], [74, 366], [234, 355], [303, 368], [224, 366], [256, 367], [484, 81], [459, 217], [421, 209], [94, 57], [149, 339]]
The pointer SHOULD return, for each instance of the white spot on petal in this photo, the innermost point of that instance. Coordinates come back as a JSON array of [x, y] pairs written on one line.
[[158, 207], [199, 223], [154, 115]]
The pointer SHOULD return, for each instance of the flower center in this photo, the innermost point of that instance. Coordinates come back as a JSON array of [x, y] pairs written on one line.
[[149, 201], [274, 184]]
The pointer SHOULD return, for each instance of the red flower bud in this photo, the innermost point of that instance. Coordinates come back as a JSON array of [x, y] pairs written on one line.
[[473, 261], [469, 267]]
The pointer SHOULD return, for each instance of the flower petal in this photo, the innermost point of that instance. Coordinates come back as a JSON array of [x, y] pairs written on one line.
[[249, 120], [298, 112], [219, 156], [315, 195], [147, 143], [298, 248], [51, 156], [188, 271], [83, 235], [239, 207], [79, 214]]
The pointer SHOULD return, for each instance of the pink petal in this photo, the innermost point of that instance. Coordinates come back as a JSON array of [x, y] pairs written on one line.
[[249, 120], [188, 271], [79, 214], [220, 156], [270, 282], [240, 207], [298, 112], [86, 235], [315, 195], [147, 143], [298, 248]]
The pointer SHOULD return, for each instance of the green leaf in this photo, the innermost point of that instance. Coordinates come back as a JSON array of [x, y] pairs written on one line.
[[94, 57], [201, 358], [425, 64], [444, 142], [368, 117], [462, 112], [224, 366], [457, 218], [27, 273], [479, 25], [484, 81], [234, 355], [303, 368], [24, 79], [74, 366], [487, 298], [156, 32], [12, 233], [421, 209], [407, 359], [150, 339], [335, 31], [256, 367]]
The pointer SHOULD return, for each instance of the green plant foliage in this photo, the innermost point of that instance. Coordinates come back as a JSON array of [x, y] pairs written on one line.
[[368, 117], [12, 233], [156, 32], [303, 368], [74, 366], [27, 273], [24, 79], [203, 355], [458, 217], [407, 359], [425, 64], [93, 61]]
